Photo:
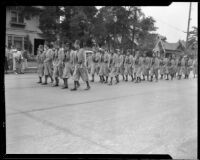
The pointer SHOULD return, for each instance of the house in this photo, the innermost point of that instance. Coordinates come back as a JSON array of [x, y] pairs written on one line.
[[21, 32], [167, 49]]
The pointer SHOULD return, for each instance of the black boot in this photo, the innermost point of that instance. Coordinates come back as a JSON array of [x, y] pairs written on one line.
[[132, 78], [51, 79], [147, 77], [143, 78], [106, 79], [88, 86], [126, 78], [103, 78], [57, 81], [45, 81], [100, 79], [151, 79], [78, 84], [123, 77], [136, 80], [65, 84], [167, 77], [40, 80], [92, 78], [161, 76], [75, 86], [110, 81], [117, 81]]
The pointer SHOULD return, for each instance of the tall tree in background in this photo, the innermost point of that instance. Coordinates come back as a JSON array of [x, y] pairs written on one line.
[[193, 38], [49, 22]]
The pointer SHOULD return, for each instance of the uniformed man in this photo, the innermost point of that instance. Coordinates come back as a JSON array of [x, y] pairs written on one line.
[[95, 62], [187, 68], [183, 66], [55, 62], [161, 67], [128, 64], [102, 67], [179, 67], [172, 67], [67, 61], [48, 63], [194, 67], [139, 73], [166, 64], [121, 64], [154, 67], [106, 62], [80, 67], [190, 62], [113, 67], [40, 62]]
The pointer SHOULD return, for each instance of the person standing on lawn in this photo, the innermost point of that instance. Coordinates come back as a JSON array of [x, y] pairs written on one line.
[[24, 61], [55, 61], [106, 62]]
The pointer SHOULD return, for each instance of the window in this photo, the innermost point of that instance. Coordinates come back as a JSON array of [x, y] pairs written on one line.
[[9, 41], [14, 16], [17, 17], [18, 42]]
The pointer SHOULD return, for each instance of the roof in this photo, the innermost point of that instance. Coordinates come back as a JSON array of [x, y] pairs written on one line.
[[170, 46]]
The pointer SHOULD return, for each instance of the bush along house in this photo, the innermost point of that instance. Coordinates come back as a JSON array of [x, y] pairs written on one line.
[[167, 49], [22, 28]]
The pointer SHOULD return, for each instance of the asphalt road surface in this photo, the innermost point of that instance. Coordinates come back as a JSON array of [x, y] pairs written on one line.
[[128, 118]]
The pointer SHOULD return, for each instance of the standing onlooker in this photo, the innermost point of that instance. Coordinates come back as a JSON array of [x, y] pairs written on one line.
[[6, 60], [14, 54], [24, 61], [18, 61]]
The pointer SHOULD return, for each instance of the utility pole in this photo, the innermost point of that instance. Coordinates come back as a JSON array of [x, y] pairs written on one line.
[[188, 28]]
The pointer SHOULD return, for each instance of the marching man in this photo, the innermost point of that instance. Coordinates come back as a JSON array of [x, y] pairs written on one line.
[[80, 67], [40, 63], [48, 63]]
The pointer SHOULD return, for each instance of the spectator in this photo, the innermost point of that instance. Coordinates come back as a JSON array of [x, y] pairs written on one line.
[[18, 61], [24, 61], [13, 52]]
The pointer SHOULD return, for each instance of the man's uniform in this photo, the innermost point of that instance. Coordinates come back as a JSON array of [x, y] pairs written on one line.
[[106, 62], [165, 65], [67, 60], [121, 65], [48, 63], [154, 67], [190, 62], [80, 66], [102, 65], [187, 68], [128, 64], [194, 67], [94, 63], [40, 63], [55, 62], [60, 62], [140, 62], [182, 71], [161, 68]]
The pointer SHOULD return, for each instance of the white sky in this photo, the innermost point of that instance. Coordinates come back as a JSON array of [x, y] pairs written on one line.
[[172, 20]]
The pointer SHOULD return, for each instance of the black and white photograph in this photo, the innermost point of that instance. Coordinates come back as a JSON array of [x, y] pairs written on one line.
[[102, 79]]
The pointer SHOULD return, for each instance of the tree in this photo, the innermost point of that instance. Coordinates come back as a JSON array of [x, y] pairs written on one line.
[[49, 22], [193, 38]]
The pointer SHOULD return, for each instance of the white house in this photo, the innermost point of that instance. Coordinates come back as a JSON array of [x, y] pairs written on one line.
[[22, 32]]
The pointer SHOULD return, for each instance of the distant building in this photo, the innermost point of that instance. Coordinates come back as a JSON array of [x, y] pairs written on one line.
[[21, 32], [167, 49]]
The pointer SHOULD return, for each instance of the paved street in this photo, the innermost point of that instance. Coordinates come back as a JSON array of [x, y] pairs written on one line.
[[128, 118]]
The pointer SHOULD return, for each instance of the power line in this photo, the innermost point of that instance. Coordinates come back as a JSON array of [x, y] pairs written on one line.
[[171, 26]]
